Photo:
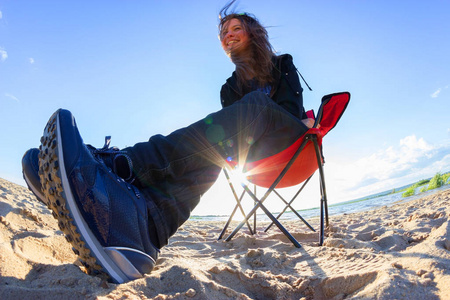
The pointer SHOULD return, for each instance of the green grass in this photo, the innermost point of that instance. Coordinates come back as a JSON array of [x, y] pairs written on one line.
[[415, 185], [437, 181], [410, 191], [446, 177]]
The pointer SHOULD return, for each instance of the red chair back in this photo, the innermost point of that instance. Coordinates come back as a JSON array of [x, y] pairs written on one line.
[[265, 171]]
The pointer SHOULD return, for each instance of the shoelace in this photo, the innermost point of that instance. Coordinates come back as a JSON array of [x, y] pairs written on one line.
[[112, 153], [105, 149]]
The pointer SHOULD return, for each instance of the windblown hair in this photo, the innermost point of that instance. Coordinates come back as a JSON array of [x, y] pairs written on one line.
[[255, 61]]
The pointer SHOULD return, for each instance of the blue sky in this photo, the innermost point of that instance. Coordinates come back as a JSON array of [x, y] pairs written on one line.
[[132, 69]]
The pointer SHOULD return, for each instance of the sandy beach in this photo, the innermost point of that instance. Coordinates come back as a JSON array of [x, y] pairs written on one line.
[[396, 252]]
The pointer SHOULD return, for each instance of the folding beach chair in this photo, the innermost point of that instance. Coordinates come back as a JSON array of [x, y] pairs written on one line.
[[291, 167]]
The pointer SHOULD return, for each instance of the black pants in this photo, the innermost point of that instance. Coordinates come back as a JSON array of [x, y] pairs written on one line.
[[174, 171]]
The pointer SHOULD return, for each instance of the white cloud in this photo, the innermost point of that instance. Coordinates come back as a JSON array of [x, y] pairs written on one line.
[[385, 163], [437, 92], [3, 54], [12, 97], [411, 160], [31, 60], [1, 15]]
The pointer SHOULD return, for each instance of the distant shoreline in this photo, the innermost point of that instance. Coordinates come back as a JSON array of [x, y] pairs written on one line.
[[358, 205]]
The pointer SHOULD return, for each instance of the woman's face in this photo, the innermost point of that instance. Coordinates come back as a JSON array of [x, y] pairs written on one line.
[[233, 36]]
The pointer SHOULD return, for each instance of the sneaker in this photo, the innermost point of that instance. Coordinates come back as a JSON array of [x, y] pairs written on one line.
[[103, 217], [30, 172]]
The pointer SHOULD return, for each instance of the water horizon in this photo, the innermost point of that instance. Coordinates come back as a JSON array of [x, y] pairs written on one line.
[[366, 203]]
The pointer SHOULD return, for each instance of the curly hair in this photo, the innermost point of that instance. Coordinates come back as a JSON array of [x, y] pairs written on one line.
[[255, 61]]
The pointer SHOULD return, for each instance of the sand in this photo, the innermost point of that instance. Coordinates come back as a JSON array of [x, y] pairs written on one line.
[[396, 252]]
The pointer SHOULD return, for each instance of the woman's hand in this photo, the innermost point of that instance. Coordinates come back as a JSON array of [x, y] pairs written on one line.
[[308, 122]]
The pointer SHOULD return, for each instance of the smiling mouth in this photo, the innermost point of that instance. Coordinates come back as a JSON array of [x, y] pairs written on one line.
[[231, 42]]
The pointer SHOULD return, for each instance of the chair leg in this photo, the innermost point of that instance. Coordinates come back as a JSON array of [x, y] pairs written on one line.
[[268, 213], [254, 215], [323, 195], [288, 205], [322, 229], [230, 218], [323, 210], [325, 198], [260, 201], [238, 205]]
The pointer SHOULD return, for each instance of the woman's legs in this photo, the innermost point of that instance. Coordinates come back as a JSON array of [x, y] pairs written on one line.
[[174, 171]]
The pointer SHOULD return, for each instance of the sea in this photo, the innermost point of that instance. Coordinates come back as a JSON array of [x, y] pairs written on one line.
[[386, 198]]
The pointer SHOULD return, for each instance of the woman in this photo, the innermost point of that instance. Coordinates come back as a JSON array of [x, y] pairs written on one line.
[[246, 42], [119, 207]]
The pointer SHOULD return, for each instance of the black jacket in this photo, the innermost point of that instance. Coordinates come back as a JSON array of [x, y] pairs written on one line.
[[287, 89]]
